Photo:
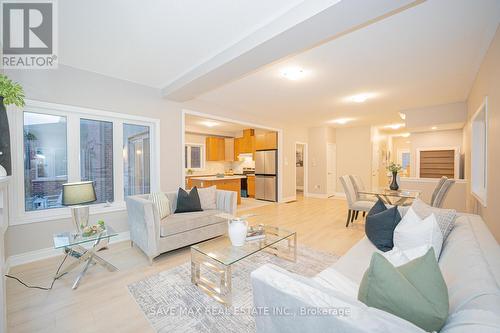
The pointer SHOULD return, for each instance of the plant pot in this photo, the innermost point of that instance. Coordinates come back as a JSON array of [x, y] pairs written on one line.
[[394, 184], [5, 160]]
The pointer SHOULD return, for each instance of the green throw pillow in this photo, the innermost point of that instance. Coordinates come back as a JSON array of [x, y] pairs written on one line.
[[415, 291]]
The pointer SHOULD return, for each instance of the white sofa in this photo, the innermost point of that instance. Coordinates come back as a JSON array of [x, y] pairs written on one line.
[[469, 262], [154, 236]]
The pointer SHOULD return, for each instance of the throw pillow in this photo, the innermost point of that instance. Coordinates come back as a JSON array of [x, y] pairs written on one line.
[[208, 197], [161, 203], [188, 202], [398, 257], [444, 217], [379, 207], [415, 291], [379, 228], [414, 232]]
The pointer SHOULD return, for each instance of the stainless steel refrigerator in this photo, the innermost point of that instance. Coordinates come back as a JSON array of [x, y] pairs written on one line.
[[266, 180]]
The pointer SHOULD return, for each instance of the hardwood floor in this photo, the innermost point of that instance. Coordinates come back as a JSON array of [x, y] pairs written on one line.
[[102, 303]]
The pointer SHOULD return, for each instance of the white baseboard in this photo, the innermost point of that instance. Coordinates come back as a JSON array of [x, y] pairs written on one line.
[[289, 199], [27, 257]]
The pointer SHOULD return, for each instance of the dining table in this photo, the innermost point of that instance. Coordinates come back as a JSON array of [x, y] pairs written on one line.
[[400, 197]]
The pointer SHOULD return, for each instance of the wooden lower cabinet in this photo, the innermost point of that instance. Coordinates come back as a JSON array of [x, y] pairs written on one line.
[[251, 186], [222, 184]]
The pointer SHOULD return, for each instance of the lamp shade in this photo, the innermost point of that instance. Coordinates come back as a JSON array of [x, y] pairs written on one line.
[[78, 193]]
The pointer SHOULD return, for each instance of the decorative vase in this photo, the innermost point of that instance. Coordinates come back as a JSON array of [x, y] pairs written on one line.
[[237, 229], [394, 184], [5, 161]]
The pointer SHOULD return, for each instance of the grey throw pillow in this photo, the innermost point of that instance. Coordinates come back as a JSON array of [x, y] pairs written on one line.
[[208, 197], [444, 217]]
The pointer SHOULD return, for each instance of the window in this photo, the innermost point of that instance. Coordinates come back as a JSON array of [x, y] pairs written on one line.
[[479, 153], [96, 157], [438, 162], [194, 156], [136, 159], [45, 160], [61, 144]]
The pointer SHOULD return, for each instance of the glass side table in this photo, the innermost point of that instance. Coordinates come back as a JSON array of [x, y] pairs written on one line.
[[72, 243]]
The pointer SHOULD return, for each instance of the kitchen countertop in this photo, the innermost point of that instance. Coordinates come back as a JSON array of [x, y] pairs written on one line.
[[214, 178]]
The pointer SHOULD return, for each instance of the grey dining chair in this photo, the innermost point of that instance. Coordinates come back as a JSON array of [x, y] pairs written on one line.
[[438, 200], [354, 205], [438, 188]]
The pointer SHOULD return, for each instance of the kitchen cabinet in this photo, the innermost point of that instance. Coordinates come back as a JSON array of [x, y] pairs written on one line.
[[251, 186], [215, 148], [229, 149], [245, 144], [229, 183], [266, 141]]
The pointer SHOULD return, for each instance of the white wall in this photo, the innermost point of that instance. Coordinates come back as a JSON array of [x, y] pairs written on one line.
[[354, 154], [318, 138]]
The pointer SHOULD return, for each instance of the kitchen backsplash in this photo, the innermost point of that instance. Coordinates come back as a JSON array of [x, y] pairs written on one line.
[[220, 167]]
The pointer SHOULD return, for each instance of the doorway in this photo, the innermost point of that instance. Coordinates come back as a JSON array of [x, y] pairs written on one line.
[[331, 169], [301, 169]]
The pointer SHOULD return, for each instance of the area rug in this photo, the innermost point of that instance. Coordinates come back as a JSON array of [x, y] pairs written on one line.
[[172, 304]]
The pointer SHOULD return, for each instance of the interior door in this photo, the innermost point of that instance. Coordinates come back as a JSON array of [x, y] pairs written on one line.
[[331, 163]]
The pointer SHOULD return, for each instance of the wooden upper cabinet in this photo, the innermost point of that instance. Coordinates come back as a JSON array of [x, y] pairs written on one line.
[[215, 148], [237, 148], [266, 141], [229, 149]]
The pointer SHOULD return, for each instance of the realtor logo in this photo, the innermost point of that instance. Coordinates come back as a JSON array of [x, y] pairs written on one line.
[[28, 35]]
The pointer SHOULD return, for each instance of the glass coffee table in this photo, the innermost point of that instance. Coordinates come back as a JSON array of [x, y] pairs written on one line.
[[72, 243], [218, 255]]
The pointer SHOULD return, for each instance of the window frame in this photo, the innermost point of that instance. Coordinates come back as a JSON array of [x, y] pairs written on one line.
[[477, 191], [202, 157], [73, 115], [456, 159]]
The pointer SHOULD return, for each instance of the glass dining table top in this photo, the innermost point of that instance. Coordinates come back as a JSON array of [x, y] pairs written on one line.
[[402, 193], [66, 239]]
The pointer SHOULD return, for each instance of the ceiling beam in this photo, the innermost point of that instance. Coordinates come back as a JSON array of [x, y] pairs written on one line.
[[303, 27]]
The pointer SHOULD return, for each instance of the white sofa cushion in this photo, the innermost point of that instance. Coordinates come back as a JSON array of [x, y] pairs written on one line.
[[332, 278], [182, 222], [275, 288], [444, 217], [161, 203], [208, 197], [414, 232]]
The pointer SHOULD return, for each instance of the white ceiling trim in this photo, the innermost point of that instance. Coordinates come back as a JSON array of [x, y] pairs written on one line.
[[303, 27]]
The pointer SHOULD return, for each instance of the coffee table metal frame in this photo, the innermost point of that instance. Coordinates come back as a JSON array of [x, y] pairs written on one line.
[[220, 286]]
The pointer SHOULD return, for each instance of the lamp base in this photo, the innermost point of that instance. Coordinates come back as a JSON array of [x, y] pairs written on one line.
[[80, 215]]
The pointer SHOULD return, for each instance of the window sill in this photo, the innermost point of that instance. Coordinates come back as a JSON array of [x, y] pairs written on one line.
[[63, 213]]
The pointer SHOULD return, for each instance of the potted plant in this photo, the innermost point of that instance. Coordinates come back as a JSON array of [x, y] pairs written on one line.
[[11, 93], [394, 169]]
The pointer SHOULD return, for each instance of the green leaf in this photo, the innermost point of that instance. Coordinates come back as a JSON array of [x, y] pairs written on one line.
[[12, 92]]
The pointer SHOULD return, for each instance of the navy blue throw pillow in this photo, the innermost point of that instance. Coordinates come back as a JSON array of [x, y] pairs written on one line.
[[379, 228], [188, 202], [379, 207]]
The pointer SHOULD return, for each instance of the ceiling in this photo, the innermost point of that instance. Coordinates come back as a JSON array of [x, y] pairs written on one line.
[[204, 125], [153, 42], [426, 55]]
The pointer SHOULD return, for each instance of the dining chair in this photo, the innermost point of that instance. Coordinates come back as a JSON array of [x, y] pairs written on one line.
[[359, 186], [443, 192], [354, 205], [438, 188]]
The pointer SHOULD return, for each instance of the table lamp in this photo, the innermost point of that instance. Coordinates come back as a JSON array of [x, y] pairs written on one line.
[[77, 195]]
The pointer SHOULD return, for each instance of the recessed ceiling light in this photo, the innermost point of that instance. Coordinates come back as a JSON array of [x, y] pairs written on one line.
[[342, 121], [434, 128], [360, 98], [394, 126], [293, 73], [209, 123]]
